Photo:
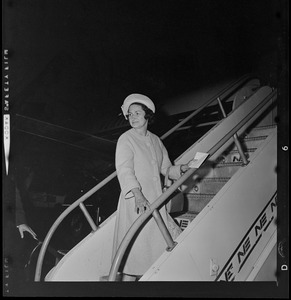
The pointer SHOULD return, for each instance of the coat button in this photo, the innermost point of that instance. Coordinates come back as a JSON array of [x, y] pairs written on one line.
[[153, 162], [155, 178]]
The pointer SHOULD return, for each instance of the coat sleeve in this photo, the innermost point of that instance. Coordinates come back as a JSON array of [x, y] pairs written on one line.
[[174, 172], [124, 161]]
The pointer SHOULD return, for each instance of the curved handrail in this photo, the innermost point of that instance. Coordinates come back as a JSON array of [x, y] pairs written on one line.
[[61, 217], [230, 88], [160, 200]]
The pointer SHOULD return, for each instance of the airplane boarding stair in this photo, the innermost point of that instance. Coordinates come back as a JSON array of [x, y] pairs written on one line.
[[226, 209], [228, 218]]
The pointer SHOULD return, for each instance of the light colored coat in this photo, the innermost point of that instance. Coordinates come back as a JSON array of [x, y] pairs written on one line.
[[139, 162]]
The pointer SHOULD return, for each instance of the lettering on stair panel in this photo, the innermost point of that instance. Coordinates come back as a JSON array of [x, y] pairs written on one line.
[[248, 244], [184, 220]]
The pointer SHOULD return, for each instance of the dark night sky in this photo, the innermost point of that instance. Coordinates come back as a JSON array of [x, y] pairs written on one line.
[[76, 60], [72, 62]]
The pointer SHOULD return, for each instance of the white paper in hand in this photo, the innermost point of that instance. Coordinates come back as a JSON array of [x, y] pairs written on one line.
[[198, 160]]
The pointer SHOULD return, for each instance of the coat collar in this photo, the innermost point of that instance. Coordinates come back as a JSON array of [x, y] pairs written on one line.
[[141, 137]]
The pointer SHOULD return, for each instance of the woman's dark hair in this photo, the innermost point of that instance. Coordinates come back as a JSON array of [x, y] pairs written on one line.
[[149, 114]]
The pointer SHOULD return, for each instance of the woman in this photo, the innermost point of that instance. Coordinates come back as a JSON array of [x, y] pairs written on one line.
[[140, 159]]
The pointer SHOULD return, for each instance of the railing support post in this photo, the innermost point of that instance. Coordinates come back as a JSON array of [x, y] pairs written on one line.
[[165, 232], [88, 217], [235, 137]]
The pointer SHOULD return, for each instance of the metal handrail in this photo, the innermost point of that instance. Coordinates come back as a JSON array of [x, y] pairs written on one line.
[[59, 220], [161, 199], [222, 95]]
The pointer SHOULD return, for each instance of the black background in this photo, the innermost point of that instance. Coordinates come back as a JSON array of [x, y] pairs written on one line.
[[72, 62]]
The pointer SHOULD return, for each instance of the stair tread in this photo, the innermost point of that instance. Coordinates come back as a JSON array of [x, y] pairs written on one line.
[[184, 214], [214, 179], [229, 164], [254, 138], [201, 195], [246, 150], [264, 127]]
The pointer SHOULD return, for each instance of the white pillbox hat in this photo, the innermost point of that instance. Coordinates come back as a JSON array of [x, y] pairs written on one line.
[[139, 98]]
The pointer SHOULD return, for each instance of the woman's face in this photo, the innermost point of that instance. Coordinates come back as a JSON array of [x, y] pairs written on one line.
[[136, 116]]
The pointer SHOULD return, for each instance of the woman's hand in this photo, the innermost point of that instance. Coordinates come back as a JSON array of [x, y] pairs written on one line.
[[141, 203], [184, 168], [23, 227]]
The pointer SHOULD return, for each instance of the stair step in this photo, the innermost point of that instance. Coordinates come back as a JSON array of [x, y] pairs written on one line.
[[262, 130], [183, 219], [194, 203], [252, 142], [224, 169], [247, 143], [208, 185]]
